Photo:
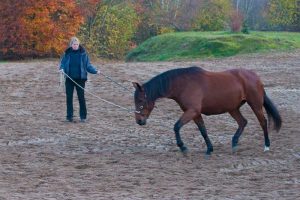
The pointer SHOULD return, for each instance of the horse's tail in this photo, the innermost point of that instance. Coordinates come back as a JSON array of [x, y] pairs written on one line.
[[272, 112]]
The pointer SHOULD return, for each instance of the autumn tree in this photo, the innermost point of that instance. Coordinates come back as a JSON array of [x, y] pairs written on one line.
[[213, 15], [253, 13], [163, 16], [147, 26], [113, 29], [88, 9], [284, 13], [10, 27], [236, 21], [177, 14], [39, 27]]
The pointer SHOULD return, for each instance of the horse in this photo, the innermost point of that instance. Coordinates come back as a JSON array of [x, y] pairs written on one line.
[[198, 91]]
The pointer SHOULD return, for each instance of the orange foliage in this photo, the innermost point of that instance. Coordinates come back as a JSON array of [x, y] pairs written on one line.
[[139, 7], [88, 8], [37, 27]]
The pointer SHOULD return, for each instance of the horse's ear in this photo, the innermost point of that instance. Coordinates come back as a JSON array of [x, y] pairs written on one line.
[[137, 86]]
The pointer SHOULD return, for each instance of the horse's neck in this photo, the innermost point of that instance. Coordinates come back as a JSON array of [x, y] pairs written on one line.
[[156, 94], [155, 97], [157, 88]]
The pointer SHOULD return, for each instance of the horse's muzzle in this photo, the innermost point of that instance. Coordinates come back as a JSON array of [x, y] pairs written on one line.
[[141, 122]]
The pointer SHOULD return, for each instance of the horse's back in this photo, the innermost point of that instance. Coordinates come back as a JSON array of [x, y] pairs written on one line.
[[230, 87], [221, 92]]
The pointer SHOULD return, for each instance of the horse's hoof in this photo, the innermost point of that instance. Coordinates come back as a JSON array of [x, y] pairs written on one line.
[[184, 149], [234, 149], [266, 149], [208, 155]]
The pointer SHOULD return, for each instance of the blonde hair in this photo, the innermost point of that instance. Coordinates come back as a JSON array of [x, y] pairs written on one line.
[[72, 40]]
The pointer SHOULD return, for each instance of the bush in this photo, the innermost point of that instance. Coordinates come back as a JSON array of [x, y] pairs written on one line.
[[113, 29], [245, 28], [213, 16], [236, 20]]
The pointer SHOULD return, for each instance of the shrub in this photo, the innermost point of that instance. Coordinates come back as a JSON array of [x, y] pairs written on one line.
[[236, 20], [112, 31]]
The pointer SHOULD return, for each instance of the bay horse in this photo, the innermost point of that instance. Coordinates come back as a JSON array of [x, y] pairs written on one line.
[[198, 91]]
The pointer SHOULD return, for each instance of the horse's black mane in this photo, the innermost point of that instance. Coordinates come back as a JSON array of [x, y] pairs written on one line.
[[159, 85]]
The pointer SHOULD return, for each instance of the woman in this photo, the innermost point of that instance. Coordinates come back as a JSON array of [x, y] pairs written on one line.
[[76, 63]]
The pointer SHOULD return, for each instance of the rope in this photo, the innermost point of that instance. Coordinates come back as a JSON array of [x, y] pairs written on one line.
[[62, 77], [111, 103], [61, 81], [163, 125], [130, 111], [115, 82]]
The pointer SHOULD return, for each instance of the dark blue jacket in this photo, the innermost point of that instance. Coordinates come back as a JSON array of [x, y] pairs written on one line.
[[85, 65]]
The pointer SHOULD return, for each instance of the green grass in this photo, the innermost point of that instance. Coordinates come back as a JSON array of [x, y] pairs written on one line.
[[198, 45]]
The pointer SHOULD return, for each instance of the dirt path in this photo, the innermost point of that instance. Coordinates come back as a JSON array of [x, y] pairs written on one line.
[[110, 157]]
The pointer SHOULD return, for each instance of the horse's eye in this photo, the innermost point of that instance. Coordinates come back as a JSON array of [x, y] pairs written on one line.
[[141, 107]]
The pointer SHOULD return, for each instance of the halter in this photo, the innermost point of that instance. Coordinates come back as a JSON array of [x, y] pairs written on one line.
[[141, 107]]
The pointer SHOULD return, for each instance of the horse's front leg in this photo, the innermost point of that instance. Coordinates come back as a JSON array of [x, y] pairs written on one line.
[[200, 123], [184, 119]]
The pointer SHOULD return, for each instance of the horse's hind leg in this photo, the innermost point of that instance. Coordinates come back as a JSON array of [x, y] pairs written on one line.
[[242, 122], [264, 124], [200, 123], [185, 118]]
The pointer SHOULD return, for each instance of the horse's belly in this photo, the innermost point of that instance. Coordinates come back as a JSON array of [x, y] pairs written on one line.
[[214, 111], [219, 107]]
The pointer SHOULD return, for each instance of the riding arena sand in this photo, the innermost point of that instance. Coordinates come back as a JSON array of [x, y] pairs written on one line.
[[111, 157]]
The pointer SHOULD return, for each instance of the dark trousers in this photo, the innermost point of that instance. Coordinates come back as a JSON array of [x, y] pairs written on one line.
[[80, 93]]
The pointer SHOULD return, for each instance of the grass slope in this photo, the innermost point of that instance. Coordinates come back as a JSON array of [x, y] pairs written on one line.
[[195, 45]]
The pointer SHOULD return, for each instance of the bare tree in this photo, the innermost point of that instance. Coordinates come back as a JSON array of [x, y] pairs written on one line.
[[175, 13], [252, 11]]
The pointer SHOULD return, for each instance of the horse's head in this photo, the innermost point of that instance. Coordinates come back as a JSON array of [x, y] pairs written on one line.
[[143, 107]]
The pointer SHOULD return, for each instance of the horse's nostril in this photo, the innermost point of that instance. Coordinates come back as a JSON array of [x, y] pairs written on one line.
[[141, 122]]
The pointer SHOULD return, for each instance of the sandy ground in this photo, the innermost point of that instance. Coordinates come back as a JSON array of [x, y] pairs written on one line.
[[111, 157]]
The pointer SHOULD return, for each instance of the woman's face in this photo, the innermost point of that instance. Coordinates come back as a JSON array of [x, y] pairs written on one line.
[[75, 45]]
